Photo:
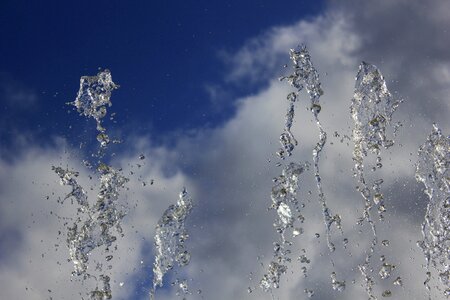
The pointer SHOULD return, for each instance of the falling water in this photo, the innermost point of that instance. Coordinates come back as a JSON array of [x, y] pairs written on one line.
[[285, 202], [284, 191], [287, 139], [432, 171], [170, 237], [305, 72], [95, 225], [371, 109]]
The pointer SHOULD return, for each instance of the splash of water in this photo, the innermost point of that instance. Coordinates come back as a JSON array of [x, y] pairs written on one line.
[[78, 193], [285, 202], [287, 139], [371, 108], [97, 224], [170, 237], [79, 258], [305, 75], [93, 98], [94, 225], [432, 170]]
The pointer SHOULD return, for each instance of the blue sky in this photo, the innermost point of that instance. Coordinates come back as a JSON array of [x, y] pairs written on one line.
[[166, 56], [200, 97]]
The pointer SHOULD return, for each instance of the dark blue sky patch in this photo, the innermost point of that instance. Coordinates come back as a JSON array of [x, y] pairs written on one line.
[[163, 54]]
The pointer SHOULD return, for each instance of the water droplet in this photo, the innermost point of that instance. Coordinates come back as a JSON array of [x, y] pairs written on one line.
[[345, 242], [386, 270], [337, 285], [309, 293], [316, 108], [398, 281], [297, 231]]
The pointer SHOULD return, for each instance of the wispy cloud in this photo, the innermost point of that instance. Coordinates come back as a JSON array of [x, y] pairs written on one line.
[[16, 94]]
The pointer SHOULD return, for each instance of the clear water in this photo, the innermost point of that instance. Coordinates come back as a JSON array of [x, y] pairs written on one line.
[[170, 237], [98, 221], [432, 170], [98, 224]]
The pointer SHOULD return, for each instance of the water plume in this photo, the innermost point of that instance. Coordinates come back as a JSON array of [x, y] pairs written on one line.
[[371, 109], [93, 98], [286, 204], [432, 170], [96, 224], [284, 199], [170, 237]]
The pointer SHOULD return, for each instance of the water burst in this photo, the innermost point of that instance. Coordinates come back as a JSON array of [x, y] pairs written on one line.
[[306, 76], [371, 108], [170, 237], [96, 225], [432, 170], [285, 202], [284, 191], [78, 193], [93, 98]]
